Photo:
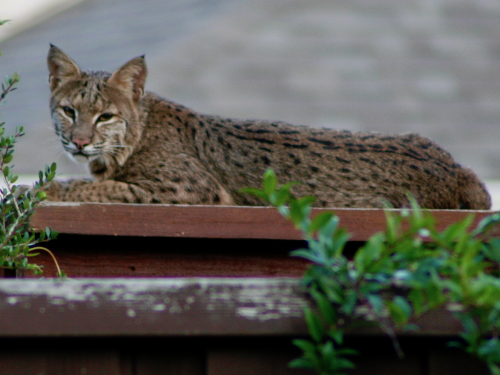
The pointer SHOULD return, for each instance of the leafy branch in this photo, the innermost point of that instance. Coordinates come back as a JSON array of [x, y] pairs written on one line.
[[16, 207], [398, 275]]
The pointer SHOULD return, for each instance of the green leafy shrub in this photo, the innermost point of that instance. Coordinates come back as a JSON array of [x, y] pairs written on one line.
[[396, 276], [17, 242]]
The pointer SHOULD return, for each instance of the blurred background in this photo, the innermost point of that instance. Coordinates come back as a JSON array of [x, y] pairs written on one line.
[[425, 66]]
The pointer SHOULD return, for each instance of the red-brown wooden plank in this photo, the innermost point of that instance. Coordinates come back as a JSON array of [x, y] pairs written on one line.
[[206, 221], [105, 256]]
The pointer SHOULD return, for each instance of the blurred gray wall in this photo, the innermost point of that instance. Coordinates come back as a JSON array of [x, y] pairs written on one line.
[[428, 66]]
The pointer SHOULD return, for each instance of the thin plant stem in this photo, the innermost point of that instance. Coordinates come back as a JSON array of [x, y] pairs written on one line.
[[59, 273]]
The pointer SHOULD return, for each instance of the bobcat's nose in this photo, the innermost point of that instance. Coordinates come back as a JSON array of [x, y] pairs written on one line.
[[81, 142]]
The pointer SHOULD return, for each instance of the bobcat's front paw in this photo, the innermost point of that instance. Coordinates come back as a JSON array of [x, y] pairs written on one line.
[[51, 191], [54, 190]]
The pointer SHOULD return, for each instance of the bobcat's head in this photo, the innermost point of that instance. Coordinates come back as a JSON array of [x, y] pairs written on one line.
[[97, 115]]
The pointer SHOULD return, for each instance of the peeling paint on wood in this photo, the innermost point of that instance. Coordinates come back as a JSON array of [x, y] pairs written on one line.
[[151, 306], [169, 307]]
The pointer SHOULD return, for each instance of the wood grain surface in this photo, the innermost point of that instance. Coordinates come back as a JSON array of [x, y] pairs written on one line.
[[130, 240], [207, 221]]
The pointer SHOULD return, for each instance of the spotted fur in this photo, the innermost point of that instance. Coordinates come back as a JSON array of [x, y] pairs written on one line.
[[141, 148]]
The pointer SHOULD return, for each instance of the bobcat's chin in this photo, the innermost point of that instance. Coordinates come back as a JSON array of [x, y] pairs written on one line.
[[82, 158]]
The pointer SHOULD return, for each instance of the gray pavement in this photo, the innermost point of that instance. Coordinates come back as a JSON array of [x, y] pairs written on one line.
[[431, 67]]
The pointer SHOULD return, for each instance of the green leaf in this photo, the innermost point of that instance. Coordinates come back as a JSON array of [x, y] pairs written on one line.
[[301, 363], [369, 253], [350, 301], [327, 232], [376, 302], [494, 369], [270, 182], [320, 221], [314, 325], [347, 351], [309, 352], [400, 310], [343, 363], [486, 223], [490, 350], [307, 254], [300, 209], [492, 249], [257, 192], [54, 235], [417, 300], [457, 230], [7, 159], [340, 239], [281, 197], [52, 172], [41, 195], [328, 354], [326, 309], [392, 223], [305, 345], [337, 335]]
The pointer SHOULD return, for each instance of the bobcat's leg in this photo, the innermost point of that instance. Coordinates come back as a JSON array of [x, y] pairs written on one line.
[[97, 191], [180, 179], [109, 191]]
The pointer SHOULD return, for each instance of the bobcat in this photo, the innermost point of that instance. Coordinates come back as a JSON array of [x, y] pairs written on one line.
[[141, 148]]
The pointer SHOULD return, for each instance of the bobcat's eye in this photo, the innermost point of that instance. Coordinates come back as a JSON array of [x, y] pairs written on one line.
[[70, 112], [105, 117]]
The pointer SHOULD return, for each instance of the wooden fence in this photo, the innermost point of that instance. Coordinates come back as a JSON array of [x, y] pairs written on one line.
[[159, 289]]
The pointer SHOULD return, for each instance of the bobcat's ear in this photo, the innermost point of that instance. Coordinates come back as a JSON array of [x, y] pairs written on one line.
[[61, 68], [131, 78]]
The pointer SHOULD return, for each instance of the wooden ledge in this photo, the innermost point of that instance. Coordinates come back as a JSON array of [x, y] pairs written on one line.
[[168, 307], [190, 241], [207, 221]]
